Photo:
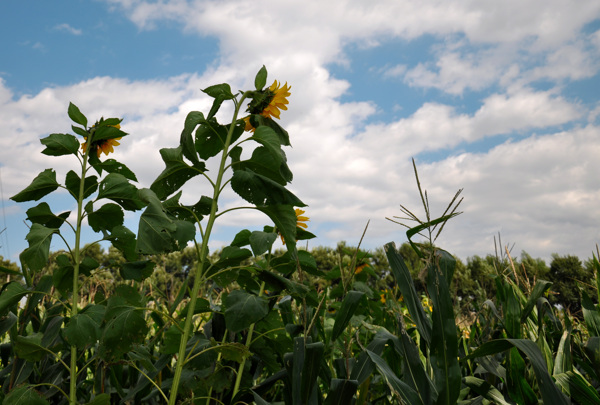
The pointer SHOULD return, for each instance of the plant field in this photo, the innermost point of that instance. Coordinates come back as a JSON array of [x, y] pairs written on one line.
[[159, 319]]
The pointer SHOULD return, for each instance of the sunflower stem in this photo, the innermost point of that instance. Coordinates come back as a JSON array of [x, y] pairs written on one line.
[[201, 260]]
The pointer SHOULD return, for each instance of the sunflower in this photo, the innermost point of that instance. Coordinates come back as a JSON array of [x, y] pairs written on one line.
[[300, 221], [268, 103], [105, 145]]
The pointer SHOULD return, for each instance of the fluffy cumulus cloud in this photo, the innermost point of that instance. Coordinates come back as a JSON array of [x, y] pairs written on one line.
[[540, 191]]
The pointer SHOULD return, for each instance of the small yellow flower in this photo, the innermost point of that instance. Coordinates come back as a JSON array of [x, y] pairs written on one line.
[[299, 221], [106, 145], [277, 97], [382, 298]]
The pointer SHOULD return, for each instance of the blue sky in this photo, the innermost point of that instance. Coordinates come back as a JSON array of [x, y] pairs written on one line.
[[500, 99]]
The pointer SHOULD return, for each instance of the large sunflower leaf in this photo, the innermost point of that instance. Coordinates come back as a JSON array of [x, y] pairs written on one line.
[[43, 184], [242, 309], [175, 174], [262, 191], [116, 187], [60, 144], [41, 214], [39, 238]]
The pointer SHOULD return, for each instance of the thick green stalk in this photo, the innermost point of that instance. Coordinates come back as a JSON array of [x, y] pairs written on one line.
[[203, 253], [76, 260]]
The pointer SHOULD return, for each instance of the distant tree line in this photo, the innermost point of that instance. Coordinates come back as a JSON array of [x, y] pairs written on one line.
[[473, 283]]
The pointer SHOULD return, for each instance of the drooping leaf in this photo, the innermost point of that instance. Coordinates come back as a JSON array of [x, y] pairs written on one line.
[[211, 136], [83, 329], [42, 185], [106, 217], [487, 391], [284, 138], [261, 242], [116, 187], [76, 115], [114, 166], [342, 318], [220, 92], [242, 238], [591, 315], [25, 395], [284, 218], [137, 271], [193, 119], [409, 293], [157, 233], [107, 130], [30, 347], [41, 214], [175, 174], [549, 391], [242, 309], [579, 390], [73, 182], [262, 191], [39, 238], [192, 213], [125, 326], [538, 290], [124, 240], [408, 395], [60, 144], [266, 164], [10, 294]]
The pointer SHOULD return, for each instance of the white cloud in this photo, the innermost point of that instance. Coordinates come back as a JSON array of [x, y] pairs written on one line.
[[67, 28], [538, 191]]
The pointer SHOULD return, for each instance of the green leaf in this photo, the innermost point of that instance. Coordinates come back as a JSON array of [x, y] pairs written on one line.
[[157, 232], [220, 92], [10, 294], [100, 399], [41, 214], [25, 395], [341, 392], [313, 355], [125, 326], [106, 130], [124, 240], [137, 271], [62, 277], [579, 390], [232, 256], [284, 218], [83, 329], [186, 141], [30, 347], [347, 310], [409, 293], [60, 144], [42, 185], [261, 242], [116, 187], [284, 138], [243, 309], [211, 137], [408, 395], [263, 162], [242, 238], [76, 115], [590, 314], [262, 191], [106, 217], [176, 173], [113, 166], [193, 213], [538, 290], [261, 78], [444, 339], [39, 238], [80, 131], [73, 182], [487, 391], [550, 393]]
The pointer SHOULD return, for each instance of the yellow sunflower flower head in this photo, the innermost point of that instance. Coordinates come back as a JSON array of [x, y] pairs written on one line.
[[300, 222], [105, 145], [268, 103]]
